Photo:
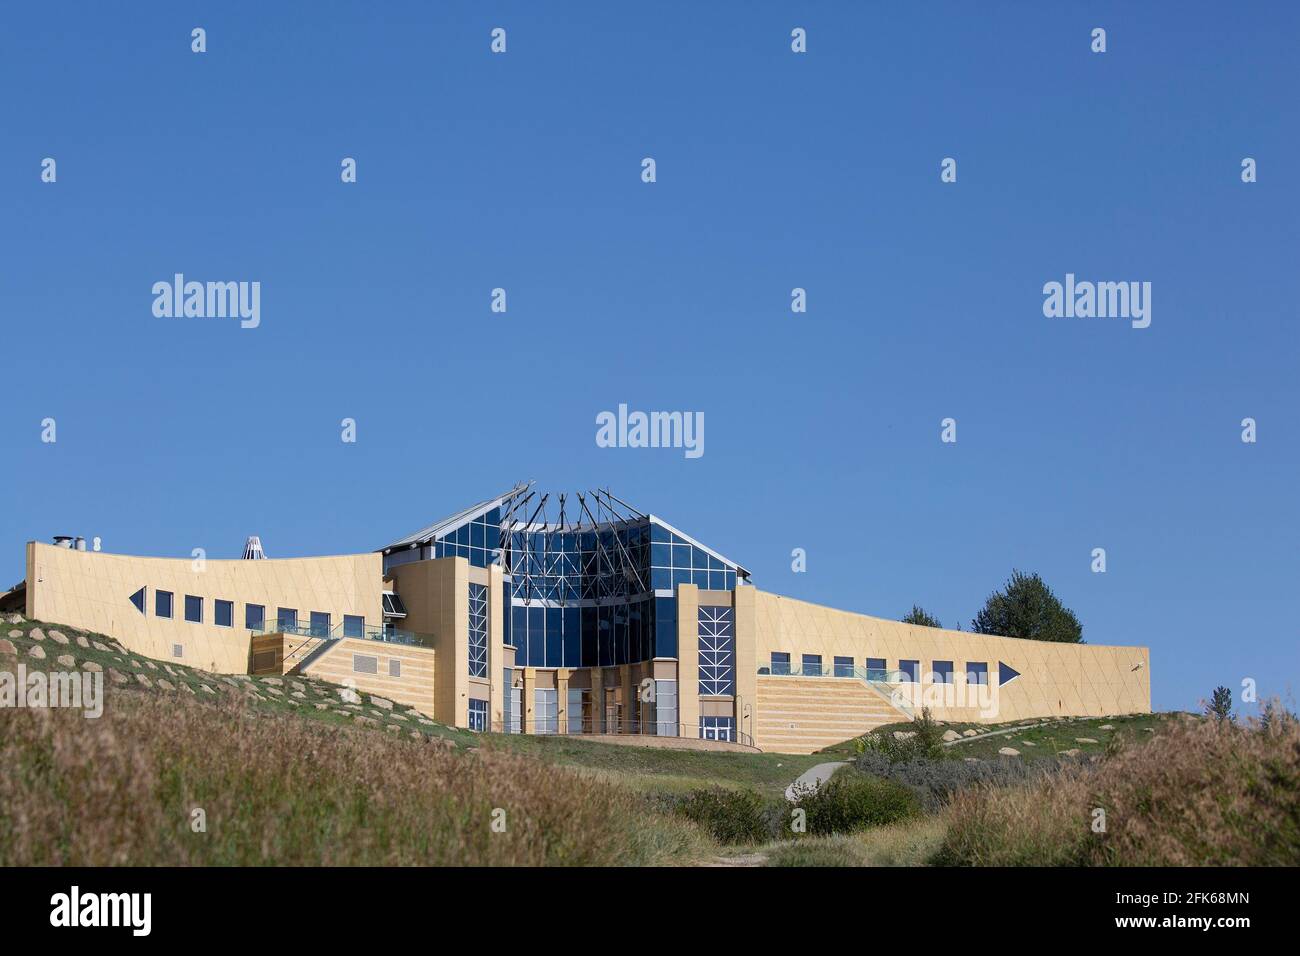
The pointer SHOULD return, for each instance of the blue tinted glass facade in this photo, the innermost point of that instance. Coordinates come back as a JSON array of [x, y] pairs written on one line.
[[478, 715]]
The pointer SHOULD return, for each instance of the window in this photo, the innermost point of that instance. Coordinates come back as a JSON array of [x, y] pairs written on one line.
[[193, 609], [394, 667], [876, 669], [941, 672], [286, 619], [393, 606], [354, 625], [178, 650], [223, 613], [138, 600], [812, 665], [478, 642], [717, 651], [718, 728], [162, 603], [320, 624], [843, 667], [780, 663], [478, 711], [666, 708], [545, 710], [365, 664], [254, 616], [910, 671], [977, 673], [578, 705]]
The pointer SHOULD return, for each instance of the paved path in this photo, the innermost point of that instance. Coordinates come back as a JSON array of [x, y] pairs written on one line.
[[814, 776]]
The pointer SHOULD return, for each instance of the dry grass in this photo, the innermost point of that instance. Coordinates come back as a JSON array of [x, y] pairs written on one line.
[[280, 790], [1197, 795]]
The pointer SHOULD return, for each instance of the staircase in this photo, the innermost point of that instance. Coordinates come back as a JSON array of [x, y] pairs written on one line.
[[800, 715]]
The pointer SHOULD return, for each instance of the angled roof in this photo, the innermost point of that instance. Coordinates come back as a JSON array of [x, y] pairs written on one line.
[[451, 523]]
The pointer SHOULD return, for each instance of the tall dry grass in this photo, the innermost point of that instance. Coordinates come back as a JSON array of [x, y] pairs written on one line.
[[120, 790], [1199, 794]]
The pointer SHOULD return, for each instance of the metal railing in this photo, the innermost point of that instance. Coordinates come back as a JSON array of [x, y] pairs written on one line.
[[885, 683], [564, 727]]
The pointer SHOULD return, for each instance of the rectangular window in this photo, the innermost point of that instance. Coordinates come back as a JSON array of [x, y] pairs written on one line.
[[843, 667], [910, 670], [876, 669], [354, 625], [394, 667], [223, 613], [718, 728], [942, 672], [162, 603], [478, 715], [478, 638], [320, 624], [977, 673], [193, 609], [717, 651], [546, 710], [365, 664], [178, 650], [286, 619], [254, 616], [812, 665], [780, 663]]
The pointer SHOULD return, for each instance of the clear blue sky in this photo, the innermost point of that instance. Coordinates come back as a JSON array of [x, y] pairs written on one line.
[[774, 171]]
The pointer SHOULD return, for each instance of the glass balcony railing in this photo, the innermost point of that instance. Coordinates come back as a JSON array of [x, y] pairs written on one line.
[[872, 675], [367, 632]]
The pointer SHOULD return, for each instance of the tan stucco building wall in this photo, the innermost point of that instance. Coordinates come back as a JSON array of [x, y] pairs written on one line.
[[92, 590]]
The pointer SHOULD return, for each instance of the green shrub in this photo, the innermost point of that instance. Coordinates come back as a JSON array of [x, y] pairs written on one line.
[[850, 801], [732, 816], [924, 743]]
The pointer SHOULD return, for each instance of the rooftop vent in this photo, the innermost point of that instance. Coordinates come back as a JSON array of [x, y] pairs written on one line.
[[253, 549]]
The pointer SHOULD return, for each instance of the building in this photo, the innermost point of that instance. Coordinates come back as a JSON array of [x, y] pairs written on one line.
[[532, 613]]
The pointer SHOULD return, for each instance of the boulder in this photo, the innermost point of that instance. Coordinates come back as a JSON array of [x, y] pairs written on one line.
[[1072, 752], [36, 634], [393, 728], [1009, 752], [151, 665], [7, 647], [168, 669], [298, 686], [15, 618], [397, 717], [15, 633], [143, 680], [82, 642], [90, 666], [66, 660], [299, 694], [951, 735], [58, 637], [1106, 727], [274, 690], [116, 676], [165, 684], [1084, 740], [320, 706], [381, 702], [207, 689], [1028, 743], [273, 681], [348, 695], [37, 652], [970, 733], [187, 687], [100, 647]]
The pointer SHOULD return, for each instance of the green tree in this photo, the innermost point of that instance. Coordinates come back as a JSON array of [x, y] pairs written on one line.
[[1027, 608], [919, 615], [1220, 705]]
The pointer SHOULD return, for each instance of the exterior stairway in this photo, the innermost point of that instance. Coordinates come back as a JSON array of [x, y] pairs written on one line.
[[800, 715]]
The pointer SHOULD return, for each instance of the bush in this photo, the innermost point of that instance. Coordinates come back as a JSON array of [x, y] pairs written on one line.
[[850, 801], [1202, 793], [936, 781], [732, 816], [925, 742]]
